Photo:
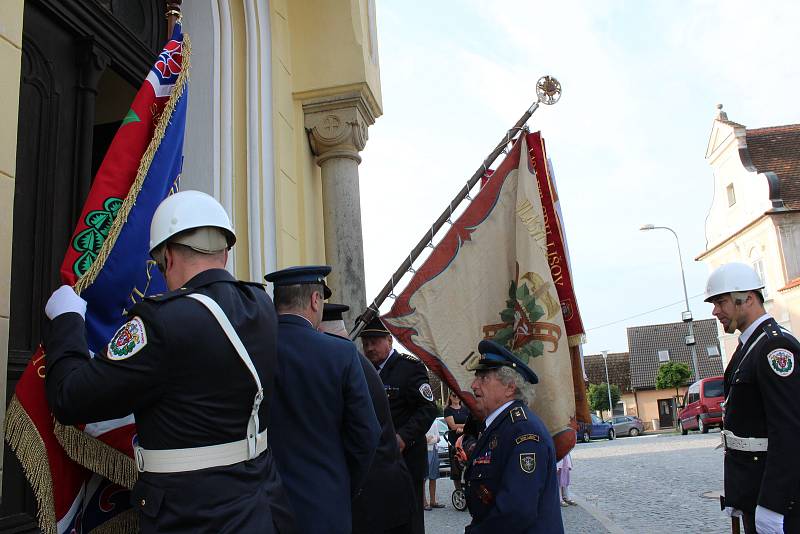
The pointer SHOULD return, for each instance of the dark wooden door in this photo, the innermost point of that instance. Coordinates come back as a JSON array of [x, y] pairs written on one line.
[[665, 413], [68, 47]]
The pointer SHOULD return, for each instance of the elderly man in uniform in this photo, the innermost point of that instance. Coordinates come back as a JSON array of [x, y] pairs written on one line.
[[762, 406], [405, 380], [323, 427], [386, 500], [196, 368], [511, 474]]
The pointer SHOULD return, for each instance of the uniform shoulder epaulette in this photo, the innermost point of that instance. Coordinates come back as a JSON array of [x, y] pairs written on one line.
[[255, 284], [774, 330], [517, 414], [411, 357], [169, 295]]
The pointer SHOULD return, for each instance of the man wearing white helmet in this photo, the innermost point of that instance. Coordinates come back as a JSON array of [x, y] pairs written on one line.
[[762, 406], [196, 367]]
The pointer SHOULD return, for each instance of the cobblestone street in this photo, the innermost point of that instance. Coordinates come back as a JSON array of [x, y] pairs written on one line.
[[650, 484], [654, 483]]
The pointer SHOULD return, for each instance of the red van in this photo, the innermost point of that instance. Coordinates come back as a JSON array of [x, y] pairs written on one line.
[[702, 406]]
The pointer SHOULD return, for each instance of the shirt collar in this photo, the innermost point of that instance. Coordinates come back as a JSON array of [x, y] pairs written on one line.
[[494, 414], [383, 363], [752, 328]]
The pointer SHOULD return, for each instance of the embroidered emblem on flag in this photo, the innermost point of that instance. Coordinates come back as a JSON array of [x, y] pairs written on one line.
[[426, 391], [129, 339], [781, 361], [527, 461]]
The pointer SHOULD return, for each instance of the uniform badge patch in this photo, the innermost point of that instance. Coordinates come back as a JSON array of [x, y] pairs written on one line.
[[426, 392], [781, 361], [526, 437], [527, 461], [517, 413], [493, 443], [129, 339], [485, 458]]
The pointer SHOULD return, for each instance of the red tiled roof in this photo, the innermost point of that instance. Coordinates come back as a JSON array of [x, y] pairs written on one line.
[[792, 284], [777, 149]]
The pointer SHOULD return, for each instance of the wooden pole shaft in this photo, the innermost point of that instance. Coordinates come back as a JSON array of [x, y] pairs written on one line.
[[173, 15], [372, 309]]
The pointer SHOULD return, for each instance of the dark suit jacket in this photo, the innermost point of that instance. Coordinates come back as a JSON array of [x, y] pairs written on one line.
[[323, 428], [187, 387], [387, 497], [405, 380]]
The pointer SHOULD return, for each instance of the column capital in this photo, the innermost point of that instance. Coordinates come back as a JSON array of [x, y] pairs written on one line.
[[337, 126]]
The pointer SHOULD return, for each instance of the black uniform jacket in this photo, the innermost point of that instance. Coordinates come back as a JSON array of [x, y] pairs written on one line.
[[762, 389], [405, 380], [387, 497], [322, 425], [511, 477], [176, 371]]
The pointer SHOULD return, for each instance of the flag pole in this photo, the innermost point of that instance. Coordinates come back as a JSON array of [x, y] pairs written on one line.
[[173, 15], [548, 91]]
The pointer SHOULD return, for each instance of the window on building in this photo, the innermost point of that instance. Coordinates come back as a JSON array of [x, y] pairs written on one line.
[[712, 351], [758, 267], [731, 195], [663, 356]]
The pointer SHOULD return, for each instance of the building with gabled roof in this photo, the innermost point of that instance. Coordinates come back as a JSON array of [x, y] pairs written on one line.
[[755, 213]]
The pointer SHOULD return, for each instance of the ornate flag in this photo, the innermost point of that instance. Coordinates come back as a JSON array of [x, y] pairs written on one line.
[[490, 278], [81, 475]]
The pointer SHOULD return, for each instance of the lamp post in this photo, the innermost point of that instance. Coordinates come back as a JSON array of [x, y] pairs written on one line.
[[608, 386], [687, 315]]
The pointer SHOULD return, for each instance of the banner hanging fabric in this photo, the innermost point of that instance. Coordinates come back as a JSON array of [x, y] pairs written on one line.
[[489, 278]]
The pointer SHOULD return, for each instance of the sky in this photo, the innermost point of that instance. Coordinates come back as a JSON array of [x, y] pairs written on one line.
[[641, 81]]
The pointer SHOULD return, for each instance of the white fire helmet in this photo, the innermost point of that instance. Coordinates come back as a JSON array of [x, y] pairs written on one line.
[[192, 210], [730, 278]]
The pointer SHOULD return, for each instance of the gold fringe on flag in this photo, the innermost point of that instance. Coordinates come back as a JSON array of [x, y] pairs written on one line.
[[23, 438], [144, 167], [576, 339], [81, 447], [126, 522], [96, 455]]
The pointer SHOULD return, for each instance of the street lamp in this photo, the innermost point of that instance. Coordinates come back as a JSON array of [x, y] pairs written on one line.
[[687, 315], [608, 385]]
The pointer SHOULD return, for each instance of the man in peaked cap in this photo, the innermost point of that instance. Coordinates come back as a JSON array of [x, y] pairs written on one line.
[[405, 380], [323, 427], [511, 475], [386, 500]]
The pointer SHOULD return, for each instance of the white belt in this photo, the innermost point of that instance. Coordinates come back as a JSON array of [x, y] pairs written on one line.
[[732, 441], [194, 458]]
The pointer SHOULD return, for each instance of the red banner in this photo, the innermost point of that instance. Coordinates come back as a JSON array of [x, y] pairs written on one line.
[[556, 256]]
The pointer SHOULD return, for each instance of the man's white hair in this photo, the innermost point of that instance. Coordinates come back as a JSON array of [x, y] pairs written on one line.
[[526, 392]]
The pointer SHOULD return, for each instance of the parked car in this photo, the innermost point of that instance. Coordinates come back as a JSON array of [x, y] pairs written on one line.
[[442, 448], [627, 425], [596, 430], [702, 406]]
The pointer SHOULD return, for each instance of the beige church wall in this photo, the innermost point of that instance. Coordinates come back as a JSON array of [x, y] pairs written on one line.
[[10, 57]]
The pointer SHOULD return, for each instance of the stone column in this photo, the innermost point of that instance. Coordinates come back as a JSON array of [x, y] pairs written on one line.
[[337, 131]]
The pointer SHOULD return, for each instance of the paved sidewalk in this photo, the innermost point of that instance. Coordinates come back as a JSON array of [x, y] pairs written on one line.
[[577, 519]]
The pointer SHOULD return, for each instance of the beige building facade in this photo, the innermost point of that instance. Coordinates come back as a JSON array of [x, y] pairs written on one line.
[[755, 213], [282, 94]]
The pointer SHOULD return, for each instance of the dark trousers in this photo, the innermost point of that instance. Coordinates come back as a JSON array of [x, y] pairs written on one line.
[[418, 519]]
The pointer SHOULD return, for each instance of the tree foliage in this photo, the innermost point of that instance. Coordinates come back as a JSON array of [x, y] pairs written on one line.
[[598, 396], [672, 375]]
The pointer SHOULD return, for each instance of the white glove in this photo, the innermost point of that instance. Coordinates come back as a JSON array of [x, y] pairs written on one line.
[[732, 512], [768, 522], [64, 300]]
